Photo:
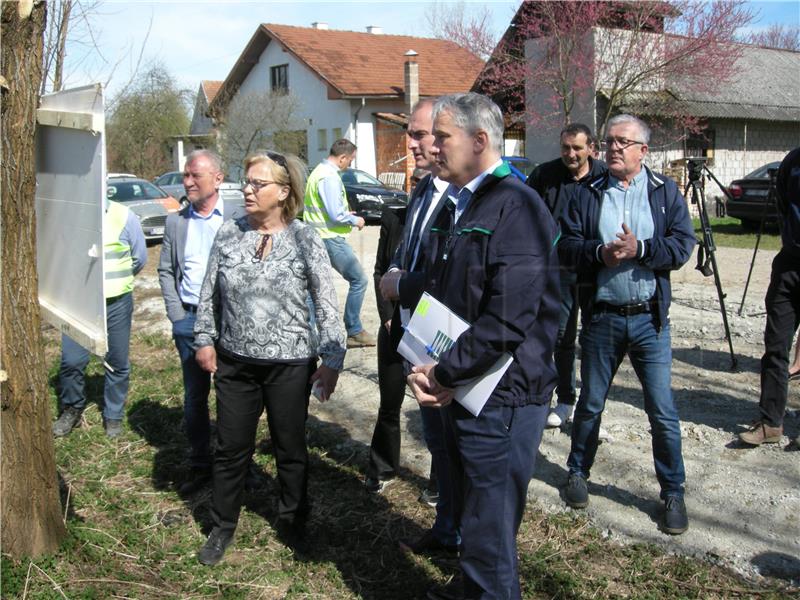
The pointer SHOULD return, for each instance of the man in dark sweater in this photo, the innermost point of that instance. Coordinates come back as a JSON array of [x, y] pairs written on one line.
[[556, 181], [783, 310]]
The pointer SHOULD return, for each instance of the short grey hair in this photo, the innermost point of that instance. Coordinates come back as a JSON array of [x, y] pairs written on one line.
[[210, 155], [644, 130], [474, 112]]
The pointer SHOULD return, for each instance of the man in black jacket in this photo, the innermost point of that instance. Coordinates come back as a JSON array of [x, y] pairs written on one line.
[[783, 310], [556, 182], [403, 283], [492, 261]]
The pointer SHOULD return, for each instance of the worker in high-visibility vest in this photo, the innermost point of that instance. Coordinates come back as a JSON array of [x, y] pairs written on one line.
[[326, 209], [125, 253]]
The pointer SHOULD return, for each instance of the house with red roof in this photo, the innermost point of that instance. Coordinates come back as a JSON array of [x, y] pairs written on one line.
[[347, 84]]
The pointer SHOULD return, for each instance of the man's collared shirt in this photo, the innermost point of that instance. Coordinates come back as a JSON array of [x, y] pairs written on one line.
[[331, 191], [629, 282], [473, 185], [200, 233]]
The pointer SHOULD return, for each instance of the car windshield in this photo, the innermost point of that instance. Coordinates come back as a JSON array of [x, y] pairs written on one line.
[[356, 177], [131, 191], [761, 172]]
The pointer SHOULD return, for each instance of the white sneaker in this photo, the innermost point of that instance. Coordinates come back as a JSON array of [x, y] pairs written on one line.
[[561, 414]]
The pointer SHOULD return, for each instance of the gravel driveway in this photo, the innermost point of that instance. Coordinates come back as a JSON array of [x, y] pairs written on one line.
[[744, 504]]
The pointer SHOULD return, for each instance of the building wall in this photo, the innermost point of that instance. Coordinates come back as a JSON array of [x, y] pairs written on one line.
[[201, 124], [739, 147], [319, 114]]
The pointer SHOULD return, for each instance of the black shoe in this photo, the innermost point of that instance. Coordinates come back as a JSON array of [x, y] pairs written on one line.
[[66, 422], [196, 479], [577, 491], [429, 498], [214, 548], [453, 590], [428, 544], [113, 427], [675, 520], [375, 485]]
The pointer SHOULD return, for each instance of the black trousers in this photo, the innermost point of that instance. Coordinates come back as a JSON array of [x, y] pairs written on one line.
[[384, 451], [783, 317], [243, 391]]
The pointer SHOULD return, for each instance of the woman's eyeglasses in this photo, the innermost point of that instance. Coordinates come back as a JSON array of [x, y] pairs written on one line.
[[256, 184]]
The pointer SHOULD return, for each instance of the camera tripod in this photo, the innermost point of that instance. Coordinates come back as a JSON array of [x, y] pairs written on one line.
[[706, 257], [773, 173]]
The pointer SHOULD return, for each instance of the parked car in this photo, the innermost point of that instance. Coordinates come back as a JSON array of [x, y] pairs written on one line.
[[147, 201], [172, 182], [367, 195], [748, 196]]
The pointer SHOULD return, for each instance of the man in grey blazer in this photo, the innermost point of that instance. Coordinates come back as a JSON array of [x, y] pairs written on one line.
[[188, 237]]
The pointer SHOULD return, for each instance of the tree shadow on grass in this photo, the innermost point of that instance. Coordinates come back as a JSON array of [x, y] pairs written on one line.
[[349, 528]]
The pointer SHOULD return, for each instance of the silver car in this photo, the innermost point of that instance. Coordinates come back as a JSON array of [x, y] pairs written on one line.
[[172, 182], [147, 201]]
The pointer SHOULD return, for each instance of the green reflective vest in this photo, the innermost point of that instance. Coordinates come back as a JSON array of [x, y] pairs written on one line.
[[314, 212], [116, 254]]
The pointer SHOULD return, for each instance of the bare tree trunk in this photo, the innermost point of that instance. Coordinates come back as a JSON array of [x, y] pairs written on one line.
[[61, 50], [31, 510]]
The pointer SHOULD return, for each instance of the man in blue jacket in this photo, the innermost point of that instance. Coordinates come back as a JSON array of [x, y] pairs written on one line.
[[783, 310], [623, 234], [491, 260]]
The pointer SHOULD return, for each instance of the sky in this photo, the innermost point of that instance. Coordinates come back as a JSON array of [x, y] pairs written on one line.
[[198, 40]]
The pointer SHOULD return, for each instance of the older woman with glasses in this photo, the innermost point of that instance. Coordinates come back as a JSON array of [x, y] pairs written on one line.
[[253, 333]]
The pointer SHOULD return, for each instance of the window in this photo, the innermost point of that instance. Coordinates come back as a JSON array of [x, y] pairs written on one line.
[[322, 139], [337, 133], [279, 77]]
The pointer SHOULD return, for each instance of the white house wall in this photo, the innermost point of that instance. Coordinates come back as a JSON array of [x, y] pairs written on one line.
[[317, 111]]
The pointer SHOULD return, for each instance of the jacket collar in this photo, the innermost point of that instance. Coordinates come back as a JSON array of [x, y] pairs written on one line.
[[654, 181]]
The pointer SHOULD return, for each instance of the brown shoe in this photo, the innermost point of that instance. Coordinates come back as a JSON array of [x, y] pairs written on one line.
[[361, 340], [761, 433]]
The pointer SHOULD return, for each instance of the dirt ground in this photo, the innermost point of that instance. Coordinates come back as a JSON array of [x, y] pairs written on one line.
[[744, 504]]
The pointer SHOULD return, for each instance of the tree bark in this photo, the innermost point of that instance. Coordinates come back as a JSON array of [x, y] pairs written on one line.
[[31, 509]]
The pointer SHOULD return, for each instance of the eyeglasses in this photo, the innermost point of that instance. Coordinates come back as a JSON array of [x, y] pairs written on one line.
[[262, 247], [256, 184], [620, 142]]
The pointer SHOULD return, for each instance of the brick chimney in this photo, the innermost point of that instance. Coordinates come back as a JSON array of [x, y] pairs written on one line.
[[411, 72]]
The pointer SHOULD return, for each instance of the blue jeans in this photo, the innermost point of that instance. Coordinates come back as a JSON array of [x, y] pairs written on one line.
[[196, 386], [346, 264], [564, 354], [75, 357], [444, 526], [604, 343]]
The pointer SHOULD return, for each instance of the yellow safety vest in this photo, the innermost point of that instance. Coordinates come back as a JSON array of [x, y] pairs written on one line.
[[116, 254], [314, 212]]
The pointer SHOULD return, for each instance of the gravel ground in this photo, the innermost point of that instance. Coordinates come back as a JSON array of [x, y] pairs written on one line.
[[744, 504]]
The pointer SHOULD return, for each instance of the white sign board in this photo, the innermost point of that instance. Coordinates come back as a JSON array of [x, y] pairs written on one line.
[[70, 193]]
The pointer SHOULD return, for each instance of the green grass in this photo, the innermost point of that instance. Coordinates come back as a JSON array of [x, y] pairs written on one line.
[[728, 232], [130, 535]]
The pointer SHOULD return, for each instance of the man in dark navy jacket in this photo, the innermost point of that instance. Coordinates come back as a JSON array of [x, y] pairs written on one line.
[[492, 261], [623, 234], [783, 310], [556, 182]]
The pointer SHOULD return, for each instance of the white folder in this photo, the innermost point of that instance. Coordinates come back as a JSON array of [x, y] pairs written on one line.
[[432, 330]]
